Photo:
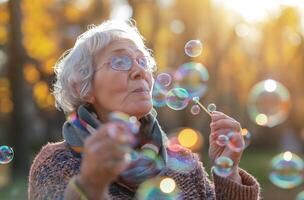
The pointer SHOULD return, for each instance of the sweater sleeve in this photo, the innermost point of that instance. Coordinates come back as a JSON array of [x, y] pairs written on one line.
[[227, 189], [51, 171]]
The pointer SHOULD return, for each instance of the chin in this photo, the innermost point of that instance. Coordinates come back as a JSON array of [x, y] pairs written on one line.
[[140, 110]]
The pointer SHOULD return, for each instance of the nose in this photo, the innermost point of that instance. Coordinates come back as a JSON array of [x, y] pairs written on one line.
[[137, 72]]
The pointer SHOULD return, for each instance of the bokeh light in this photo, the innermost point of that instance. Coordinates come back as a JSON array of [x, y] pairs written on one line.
[[269, 103], [159, 188], [167, 185], [6, 154], [193, 77], [188, 137], [193, 48], [177, 98], [286, 170]]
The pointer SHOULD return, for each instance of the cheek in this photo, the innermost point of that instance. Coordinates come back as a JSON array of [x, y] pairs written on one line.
[[109, 88]]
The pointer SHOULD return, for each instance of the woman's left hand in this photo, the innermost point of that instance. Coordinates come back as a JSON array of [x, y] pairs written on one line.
[[222, 124]]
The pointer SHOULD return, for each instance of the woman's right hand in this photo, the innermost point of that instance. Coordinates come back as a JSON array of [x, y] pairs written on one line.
[[104, 158]]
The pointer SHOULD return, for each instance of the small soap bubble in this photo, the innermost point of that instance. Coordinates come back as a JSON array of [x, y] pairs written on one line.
[[193, 48], [222, 140], [211, 107], [159, 93], [6, 154], [223, 166], [164, 79], [195, 109], [236, 142], [177, 98]]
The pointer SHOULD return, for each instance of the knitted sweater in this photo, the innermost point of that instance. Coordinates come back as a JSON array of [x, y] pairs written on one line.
[[56, 163]]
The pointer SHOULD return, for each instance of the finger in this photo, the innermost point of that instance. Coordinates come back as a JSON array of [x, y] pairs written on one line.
[[214, 135], [216, 115], [225, 124]]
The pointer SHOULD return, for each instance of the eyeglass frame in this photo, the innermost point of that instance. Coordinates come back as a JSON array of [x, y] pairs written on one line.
[[132, 60]]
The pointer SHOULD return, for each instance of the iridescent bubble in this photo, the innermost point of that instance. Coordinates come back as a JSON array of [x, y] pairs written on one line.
[[195, 109], [269, 103], [159, 188], [193, 48], [159, 93], [179, 160], [246, 136], [222, 140], [300, 196], [236, 142], [193, 77], [223, 166], [177, 98], [131, 122], [6, 154], [164, 79], [286, 170], [211, 107]]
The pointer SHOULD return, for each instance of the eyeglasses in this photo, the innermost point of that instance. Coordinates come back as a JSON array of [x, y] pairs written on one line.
[[124, 62]]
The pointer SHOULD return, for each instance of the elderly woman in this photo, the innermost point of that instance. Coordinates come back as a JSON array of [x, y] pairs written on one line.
[[110, 69]]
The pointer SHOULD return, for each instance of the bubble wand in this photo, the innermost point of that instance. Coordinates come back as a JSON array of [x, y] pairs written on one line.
[[196, 100]]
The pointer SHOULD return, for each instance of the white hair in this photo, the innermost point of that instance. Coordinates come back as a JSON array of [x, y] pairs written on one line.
[[75, 69]]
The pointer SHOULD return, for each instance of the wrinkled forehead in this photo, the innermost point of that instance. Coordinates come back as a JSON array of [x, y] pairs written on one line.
[[122, 46], [118, 47]]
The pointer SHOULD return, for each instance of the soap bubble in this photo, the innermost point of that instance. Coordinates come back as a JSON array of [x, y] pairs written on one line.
[[222, 140], [223, 166], [131, 122], [269, 103], [177, 98], [6, 154], [193, 77], [195, 109], [236, 142], [164, 79], [193, 48], [211, 107], [286, 170], [300, 196], [159, 93], [246, 136]]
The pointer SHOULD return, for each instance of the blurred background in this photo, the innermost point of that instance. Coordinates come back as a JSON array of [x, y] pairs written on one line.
[[243, 43]]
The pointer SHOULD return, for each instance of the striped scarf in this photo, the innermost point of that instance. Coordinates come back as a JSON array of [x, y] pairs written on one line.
[[148, 157]]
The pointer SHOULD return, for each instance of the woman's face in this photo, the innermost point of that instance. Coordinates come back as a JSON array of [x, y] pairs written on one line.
[[127, 91]]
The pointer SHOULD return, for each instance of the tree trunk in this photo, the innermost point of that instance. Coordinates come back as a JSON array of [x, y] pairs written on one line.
[[17, 135]]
